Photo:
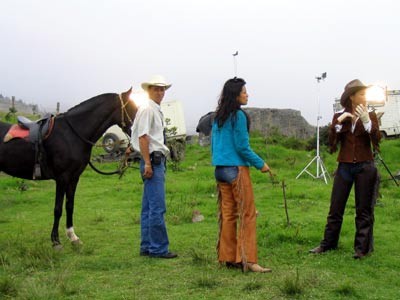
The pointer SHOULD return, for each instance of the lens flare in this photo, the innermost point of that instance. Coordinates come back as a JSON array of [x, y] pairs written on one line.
[[139, 97], [376, 95]]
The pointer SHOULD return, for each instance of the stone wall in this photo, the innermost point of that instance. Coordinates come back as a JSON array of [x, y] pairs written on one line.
[[288, 122]]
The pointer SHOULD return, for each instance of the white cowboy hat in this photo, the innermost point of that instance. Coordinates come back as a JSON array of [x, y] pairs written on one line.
[[156, 80]]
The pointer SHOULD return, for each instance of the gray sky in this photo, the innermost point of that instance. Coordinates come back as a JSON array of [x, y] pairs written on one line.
[[69, 51]]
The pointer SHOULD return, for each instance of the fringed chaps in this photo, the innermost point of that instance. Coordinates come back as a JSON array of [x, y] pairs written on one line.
[[237, 240]]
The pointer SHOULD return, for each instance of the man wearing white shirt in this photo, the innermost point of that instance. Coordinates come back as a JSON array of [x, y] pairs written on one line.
[[148, 137]]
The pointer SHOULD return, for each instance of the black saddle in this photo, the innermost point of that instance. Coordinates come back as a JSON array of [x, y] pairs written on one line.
[[37, 129]]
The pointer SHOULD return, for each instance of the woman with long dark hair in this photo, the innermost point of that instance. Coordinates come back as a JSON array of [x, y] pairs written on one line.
[[357, 132], [232, 156]]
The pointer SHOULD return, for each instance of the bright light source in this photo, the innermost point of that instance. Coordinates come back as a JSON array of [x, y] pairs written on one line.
[[376, 95], [139, 97]]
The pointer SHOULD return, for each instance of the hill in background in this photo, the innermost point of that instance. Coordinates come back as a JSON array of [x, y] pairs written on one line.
[[288, 122]]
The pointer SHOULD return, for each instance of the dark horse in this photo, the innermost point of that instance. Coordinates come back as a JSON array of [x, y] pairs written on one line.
[[67, 150]]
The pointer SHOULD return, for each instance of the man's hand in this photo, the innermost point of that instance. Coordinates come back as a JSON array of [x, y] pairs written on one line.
[[362, 113], [128, 151], [144, 150], [148, 171], [344, 116]]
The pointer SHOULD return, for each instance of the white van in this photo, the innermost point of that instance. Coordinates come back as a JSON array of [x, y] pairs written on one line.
[[389, 114]]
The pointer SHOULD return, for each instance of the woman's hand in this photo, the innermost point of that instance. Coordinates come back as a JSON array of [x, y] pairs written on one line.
[[362, 113], [266, 169], [344, 116]]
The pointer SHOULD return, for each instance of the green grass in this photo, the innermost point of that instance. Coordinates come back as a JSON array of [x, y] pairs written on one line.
[[13, 117], [108, 265]]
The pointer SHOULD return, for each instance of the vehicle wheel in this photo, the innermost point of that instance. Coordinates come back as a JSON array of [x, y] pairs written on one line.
[[383, 135], [110, 143]]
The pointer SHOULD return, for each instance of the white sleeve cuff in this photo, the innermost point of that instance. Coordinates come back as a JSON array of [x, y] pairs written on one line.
[[338, 127], [368, 126]]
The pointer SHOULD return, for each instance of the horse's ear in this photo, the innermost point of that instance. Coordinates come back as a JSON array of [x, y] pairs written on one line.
[[126, 94]]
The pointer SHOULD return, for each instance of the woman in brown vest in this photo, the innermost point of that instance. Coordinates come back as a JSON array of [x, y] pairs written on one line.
[[355, 129]]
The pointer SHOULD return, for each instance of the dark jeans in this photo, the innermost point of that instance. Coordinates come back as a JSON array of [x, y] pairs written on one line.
[[364, 176], [226, 174]]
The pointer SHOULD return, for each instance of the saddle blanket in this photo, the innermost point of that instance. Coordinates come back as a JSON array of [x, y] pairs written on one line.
[[14, 132]]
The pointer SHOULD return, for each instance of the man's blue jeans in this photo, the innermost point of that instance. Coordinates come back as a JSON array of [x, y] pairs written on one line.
[[154, 237]]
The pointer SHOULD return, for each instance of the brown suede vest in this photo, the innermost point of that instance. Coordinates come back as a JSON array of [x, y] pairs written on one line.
[[354, 146]]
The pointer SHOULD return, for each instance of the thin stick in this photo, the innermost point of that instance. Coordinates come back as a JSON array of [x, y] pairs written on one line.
[[285, 202]]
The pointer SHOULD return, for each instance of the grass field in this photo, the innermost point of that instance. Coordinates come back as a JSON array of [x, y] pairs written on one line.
[[108, 265]]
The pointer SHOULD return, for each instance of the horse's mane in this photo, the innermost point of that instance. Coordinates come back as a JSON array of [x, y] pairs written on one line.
[[89, 103]]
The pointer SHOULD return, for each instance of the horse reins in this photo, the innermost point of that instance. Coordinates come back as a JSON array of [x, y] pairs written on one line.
[[77, 133], [118, 171], [123, 163]]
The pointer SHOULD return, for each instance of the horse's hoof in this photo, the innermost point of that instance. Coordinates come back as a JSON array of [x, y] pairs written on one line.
[[77, 242], [57, 247]]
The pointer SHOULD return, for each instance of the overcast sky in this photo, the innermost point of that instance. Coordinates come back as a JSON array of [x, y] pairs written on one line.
[[69, 51]]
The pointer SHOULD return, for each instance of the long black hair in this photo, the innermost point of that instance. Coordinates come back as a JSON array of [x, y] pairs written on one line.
[[227, 103]]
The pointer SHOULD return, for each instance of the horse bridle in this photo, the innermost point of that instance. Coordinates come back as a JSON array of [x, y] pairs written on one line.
[[124, 112], [124, 162]]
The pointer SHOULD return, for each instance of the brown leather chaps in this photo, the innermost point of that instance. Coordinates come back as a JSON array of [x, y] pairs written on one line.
[[237, 220]]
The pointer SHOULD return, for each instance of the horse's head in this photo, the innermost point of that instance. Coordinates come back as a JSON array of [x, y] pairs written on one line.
[[128, 112]]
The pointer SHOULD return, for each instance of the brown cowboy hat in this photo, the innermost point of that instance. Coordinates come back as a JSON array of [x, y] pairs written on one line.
[[351, 88]]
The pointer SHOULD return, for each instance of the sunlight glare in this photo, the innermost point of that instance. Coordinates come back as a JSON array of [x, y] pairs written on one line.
[[140, 97], [376, 95]]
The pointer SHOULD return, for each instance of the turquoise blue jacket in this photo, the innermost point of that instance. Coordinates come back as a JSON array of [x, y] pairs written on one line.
[[230, 144]]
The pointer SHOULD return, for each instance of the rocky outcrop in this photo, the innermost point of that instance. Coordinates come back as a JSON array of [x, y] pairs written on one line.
[[288, 122]]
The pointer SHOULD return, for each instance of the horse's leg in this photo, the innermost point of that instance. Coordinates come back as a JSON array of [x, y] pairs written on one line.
[[69, 206], [60, 192]]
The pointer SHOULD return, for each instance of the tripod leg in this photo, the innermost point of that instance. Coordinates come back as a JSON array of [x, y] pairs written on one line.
[[387, 169], [306, 167], [322, 168], [325, 169]]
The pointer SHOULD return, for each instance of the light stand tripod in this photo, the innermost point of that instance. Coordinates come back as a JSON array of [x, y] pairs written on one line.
[[321, 170], [378, 157]]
